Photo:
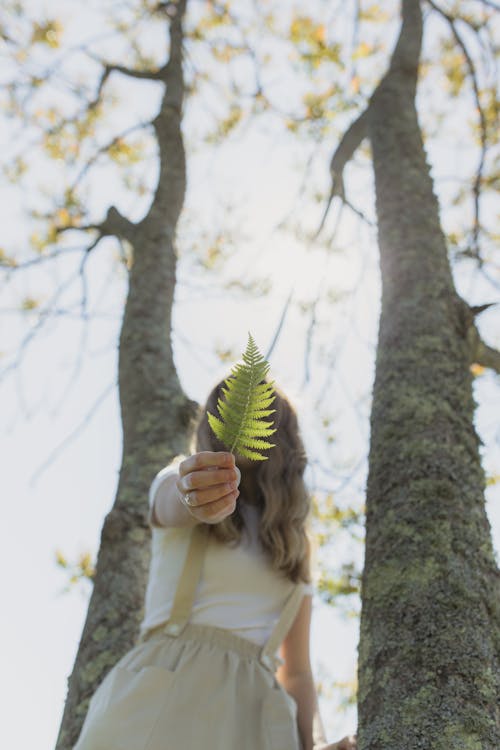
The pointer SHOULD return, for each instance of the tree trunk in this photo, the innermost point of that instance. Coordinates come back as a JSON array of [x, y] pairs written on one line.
[[429, 651], [156, 414]]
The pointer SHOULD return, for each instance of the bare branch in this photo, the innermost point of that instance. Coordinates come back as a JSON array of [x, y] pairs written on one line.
[[79, 228], [489, 278], [491, 4], [486, 355], [117, 225], [41, 258], [479, 352], [60, 312], [477, 309], [482, 123], [280, 324], [358, 212], [74, 433], [114, 225], [157, 74], [103, 149], [44, 316], [351, 140]]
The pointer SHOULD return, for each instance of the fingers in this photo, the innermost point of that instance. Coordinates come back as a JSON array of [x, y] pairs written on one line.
[[213, 512], [218, 510], [201, 480], [207, 469], [208, 485], [198, 497], [205, 459]]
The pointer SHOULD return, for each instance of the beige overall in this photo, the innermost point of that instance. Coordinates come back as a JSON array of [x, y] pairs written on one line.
[[186, 686]]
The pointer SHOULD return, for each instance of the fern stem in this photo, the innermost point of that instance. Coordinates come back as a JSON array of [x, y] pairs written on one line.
[[249, 392]]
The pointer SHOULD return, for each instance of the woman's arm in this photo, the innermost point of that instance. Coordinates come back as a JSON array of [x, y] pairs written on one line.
[[211, 479], [166, 506], [295, 675]]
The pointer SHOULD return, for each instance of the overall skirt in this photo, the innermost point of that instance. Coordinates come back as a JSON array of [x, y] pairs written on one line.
[[185, 686]]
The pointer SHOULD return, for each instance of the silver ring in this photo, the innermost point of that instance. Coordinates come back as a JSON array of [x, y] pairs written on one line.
[[187, 500]]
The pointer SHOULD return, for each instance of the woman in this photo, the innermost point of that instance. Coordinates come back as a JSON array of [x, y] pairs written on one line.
[[229, 586]]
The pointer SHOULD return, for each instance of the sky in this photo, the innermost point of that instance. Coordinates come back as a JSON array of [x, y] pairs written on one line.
[[61, 436]]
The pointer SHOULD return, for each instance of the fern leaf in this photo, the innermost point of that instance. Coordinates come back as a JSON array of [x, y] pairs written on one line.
[[241, 425]]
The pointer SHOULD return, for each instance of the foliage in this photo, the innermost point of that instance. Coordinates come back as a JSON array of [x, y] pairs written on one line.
[[242, 427], [81, 570]]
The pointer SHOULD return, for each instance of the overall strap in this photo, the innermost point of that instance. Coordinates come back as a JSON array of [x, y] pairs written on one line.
[[188, 581], [283, 625]]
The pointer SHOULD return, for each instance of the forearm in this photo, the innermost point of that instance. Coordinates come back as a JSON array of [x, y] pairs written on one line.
[[301, 687], [168, 510]]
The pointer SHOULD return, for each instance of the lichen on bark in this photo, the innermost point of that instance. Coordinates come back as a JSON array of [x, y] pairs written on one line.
[[430, 619]]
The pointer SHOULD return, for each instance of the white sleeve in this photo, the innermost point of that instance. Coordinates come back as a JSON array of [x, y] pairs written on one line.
[[308, 588], [158, 480]]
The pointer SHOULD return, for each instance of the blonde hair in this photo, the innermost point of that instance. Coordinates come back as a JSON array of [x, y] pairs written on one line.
[[283, 500]]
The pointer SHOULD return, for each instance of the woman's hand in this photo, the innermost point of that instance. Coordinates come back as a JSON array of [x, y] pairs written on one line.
[[346, 743], [208, 485]]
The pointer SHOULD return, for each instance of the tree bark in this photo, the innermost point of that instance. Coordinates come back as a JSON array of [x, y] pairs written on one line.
[[156, 415], [429, 650]]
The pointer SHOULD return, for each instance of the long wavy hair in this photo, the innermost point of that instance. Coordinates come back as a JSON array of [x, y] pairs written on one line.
[[283, 501]]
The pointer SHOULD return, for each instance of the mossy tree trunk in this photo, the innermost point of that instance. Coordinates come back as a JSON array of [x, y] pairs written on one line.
[[156, 414], [429, 651]]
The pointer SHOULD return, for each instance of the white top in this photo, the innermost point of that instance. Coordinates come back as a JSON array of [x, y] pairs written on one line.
[[238, 589]]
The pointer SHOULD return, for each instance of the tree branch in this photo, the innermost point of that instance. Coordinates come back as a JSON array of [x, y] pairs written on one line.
[[406, 55], [482, 354], [117, 225], [41, 258], [491, 4], [280, 324], [74, 432], [44, 316], [168, 201], [173, 69], [344, 152], [114, 225], [479, 352], [153, 75], [103, 149], [482, 123]]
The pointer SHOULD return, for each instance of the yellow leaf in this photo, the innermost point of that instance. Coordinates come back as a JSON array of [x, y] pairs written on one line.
[[60, 559], [374, 13], [125, 153], [363, 50], [62, 217], [5, 260], [477, 370], [47, 33], [29, 303], [320, 34], [38, 242]]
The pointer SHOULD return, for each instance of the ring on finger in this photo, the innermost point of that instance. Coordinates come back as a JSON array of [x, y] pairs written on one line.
[[188, 500]]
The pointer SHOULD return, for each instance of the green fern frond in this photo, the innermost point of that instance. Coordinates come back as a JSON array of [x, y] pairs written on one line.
[[242, 426]]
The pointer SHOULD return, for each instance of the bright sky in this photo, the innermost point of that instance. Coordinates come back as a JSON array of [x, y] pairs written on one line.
[[62, 504]]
